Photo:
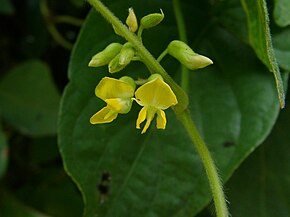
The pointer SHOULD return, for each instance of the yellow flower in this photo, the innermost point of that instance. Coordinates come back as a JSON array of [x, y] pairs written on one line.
[[155, 96], [118, 95]]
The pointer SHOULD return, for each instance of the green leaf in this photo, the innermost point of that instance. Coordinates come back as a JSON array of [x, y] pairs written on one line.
[[281, 42], [233, 103], [3, 153], [6, 7], [232, 16], [281, 12], [9, 206], [29, 99], [52, 192], [267, 176], [260, 39]]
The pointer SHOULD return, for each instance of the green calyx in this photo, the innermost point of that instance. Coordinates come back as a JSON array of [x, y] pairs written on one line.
[[126, 54], [115, 66], [151, 20], [186, 56], [129, 81], [105, 56]]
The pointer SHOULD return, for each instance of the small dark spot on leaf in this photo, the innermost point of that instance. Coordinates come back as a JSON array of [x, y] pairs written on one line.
[[227, 144], [104, 186]]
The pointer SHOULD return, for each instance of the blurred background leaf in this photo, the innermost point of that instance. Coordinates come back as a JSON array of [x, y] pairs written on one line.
[[10, 206], [3, 153], [6, 7], [281, 41], [281, 12], [29, 99]]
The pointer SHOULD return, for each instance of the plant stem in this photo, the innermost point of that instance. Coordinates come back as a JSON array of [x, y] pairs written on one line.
[[208, 163], [163, 54], [140, 31], [146, 56], [52, 28], [68, 20], [182, 36]]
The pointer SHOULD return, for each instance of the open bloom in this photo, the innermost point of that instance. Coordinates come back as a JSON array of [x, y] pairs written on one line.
[[118, 95], [155, 96]]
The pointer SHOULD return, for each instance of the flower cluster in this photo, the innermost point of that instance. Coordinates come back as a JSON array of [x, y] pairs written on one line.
[[154, 95]]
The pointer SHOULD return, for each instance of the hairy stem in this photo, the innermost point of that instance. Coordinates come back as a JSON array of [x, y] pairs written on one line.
[[208, 163]]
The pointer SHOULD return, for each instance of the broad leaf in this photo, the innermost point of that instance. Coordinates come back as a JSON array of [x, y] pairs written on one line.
[[6, 7], [51, 191], [281, 42], [260, 39], [29, 99], [233, 103], [233, 18], [267, 176], [281, 12], [3, 153], [9, 206]]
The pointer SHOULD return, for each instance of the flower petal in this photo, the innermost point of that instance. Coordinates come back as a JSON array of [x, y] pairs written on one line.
[[105, 115], [113, 88], [141, 117], [155, 93], [119, 105], [161, 120]]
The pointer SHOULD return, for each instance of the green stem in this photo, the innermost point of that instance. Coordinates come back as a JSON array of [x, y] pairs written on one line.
[[208, 163], [140, 31], [163, 54], [68, 20], [52, 28], [182, 36], [146, 56]]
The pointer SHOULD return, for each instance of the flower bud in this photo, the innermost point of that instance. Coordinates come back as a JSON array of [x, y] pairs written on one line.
[[129, 81], [131, 21], [151, 20], [186, 56], [104, 57], [155, 76], [116, 31], [115, 66], [126, 54]]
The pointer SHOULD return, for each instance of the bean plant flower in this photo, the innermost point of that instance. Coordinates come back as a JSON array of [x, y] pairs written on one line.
[[155, 96], [118, 94]]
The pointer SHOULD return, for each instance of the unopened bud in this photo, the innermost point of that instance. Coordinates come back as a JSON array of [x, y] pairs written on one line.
[[105, 56], [131, 21], [155, 76], [114, 65], [116, 31], [151, 20], [126, 54], [187, 56], [128, 80]]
